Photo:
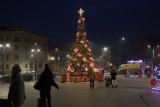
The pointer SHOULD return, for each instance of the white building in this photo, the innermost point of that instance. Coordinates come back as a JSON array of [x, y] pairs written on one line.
[[21, 43]]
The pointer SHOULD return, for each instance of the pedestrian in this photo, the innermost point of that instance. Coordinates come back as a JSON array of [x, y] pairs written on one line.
[[135, 73], [113, 75], [46, 80], [91, 76], [102, 72], [16, 92], [148, 73]]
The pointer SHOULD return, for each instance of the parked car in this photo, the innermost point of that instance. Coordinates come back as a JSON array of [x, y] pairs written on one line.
[[30, 72]]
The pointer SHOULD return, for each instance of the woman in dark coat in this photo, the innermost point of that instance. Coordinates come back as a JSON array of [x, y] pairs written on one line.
[[46, 81], [113, 78], [17, 89]]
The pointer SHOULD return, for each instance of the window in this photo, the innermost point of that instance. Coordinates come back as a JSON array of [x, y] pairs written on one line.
[[16, 47], [26, 66], [26, 47], [51, 58], [15, 56], [7, 57], [26, 40], [7, 39], [1, 49], [1, 39], [26, 56], [7, 66], [1, 66], [16, 39], [40, 65]]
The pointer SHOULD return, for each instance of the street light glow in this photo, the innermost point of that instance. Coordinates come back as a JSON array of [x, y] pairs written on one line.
[[56, 49], [7, 45], [68, 56], [149, 46], [35, 50], [105, 48], [123, 38], [4, 46], [38, 50], [32, 50]]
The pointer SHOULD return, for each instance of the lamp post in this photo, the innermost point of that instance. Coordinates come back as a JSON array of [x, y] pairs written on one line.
[[105, 49], [153, 55], [35, 50], [4, 46], [121, 40]]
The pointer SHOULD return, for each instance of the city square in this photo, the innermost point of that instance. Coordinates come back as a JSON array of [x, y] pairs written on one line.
[[100, 53], [131, 92]]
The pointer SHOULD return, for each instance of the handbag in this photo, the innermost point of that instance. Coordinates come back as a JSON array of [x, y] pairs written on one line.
[[41, 103], [37, 85], [5, 103]]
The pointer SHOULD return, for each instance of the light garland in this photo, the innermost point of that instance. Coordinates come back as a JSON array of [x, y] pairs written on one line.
[[156, 81]]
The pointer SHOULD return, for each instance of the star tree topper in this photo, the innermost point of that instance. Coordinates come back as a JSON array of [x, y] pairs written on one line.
[[80, 11]]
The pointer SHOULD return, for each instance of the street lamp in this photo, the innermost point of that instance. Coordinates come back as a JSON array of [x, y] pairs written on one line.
[[35, 50], [105, 49], [4, 46], [121, 40], [153, 54]]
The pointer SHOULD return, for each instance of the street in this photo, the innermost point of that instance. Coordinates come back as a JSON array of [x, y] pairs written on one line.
[[131, 92]]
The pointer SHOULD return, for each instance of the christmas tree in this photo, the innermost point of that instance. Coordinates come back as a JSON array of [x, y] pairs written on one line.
[[81, 60]]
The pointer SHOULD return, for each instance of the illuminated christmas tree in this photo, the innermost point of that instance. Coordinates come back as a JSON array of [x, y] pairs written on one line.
[[81, 60]]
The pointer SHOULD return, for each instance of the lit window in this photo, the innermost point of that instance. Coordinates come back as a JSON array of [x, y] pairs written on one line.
[[51, 58]]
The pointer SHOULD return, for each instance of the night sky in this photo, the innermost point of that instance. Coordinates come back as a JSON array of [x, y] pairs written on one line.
[[106, 20]]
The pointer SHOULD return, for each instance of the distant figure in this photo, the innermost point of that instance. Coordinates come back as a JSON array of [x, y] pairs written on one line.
[[102, 72], [148, 72], [17, 89], [113, 75], [135, 73], [91, 76], [46, 80]]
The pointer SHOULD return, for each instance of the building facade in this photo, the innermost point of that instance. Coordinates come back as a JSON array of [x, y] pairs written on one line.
[[26, 49], [58, 55]]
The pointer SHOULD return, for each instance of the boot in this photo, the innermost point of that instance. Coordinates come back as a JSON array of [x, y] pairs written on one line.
[[116, 86]]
